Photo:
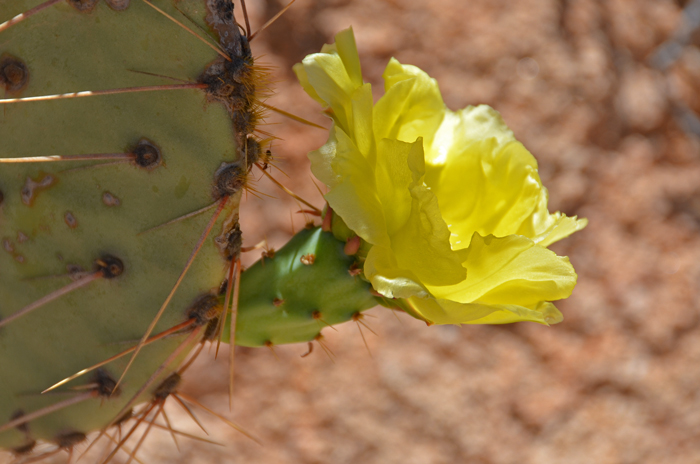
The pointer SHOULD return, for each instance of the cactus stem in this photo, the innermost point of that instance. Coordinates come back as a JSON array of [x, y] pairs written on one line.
[[95, 93], [83, 281], [190, 260], [216, 48], [22, 16]]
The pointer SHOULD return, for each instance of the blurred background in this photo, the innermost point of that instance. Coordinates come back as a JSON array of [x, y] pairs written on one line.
[[605, 94]]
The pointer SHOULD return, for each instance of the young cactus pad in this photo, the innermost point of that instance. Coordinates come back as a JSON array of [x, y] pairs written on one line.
[[78, 232]]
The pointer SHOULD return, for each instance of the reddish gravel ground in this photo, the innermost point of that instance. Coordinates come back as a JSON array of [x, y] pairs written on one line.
[[608, 116]]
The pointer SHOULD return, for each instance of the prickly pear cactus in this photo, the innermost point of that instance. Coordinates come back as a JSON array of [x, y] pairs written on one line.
[[82, 275], [126, 144]]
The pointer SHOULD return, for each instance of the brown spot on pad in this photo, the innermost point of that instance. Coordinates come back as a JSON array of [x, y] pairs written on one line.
[[33, 187], [7, 245], [110, 199], [14, 74], [83, 5], [118, 5], [70, 219]]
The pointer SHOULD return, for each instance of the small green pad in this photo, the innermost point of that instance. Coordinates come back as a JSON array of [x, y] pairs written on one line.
[[284, 300]]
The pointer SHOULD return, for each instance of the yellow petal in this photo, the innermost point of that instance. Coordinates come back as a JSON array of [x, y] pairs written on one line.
[[382, 270], [423, 244], [412, 106], [487, 187], [303, 78], [464, 127], [347, 50], [545, 228], [353, 189], [419, 248], [333, 76], [440, 311], [563, 227], [322, 159], [510, 270]]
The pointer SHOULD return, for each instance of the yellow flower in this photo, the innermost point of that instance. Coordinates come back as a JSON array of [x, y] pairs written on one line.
[[450, 202]]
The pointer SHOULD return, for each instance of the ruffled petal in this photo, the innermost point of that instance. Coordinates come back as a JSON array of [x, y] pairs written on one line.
[[489, 188], [382, 270], [423, 244], [563, 227], [412, 106], [303, 79], [440, 311], [420, 239], [544, 228], [464, 127], [510, 270], [346, 48], [353, 193]]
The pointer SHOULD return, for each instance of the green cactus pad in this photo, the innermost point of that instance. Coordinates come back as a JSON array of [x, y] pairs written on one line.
[[60, 216], [284, 300], [60, 221]]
